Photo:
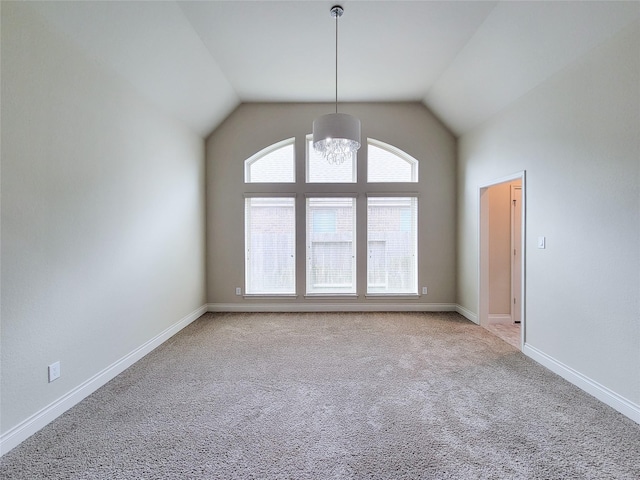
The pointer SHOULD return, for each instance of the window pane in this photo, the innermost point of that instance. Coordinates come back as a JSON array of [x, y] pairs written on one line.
[[270, 245], [392, 245], [274, 164], [320, 171], [331, 246], [386, 163]]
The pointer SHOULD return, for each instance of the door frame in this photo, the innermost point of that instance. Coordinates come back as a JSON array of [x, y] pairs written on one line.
[[483, 251], [514, 293]]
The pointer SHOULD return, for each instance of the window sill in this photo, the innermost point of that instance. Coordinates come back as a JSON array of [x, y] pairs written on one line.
[[392, 295], [330, 296], [263, 296]]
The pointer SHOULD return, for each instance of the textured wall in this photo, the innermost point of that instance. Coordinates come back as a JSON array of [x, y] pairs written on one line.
[[252, 127], [578, 138], [102, 217]]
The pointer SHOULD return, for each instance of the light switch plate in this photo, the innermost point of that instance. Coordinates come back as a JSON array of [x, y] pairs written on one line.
[[54, 371], [542, 242]]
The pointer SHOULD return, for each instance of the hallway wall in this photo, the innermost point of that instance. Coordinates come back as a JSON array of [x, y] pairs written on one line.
[[578, 138]]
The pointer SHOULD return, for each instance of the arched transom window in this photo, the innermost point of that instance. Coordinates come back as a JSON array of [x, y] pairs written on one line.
[[272, 235]]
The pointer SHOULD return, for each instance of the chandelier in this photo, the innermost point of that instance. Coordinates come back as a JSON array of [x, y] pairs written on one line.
[[336, 136]]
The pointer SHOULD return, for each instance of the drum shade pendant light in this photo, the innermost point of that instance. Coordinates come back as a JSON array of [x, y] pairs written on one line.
[[336, 136]]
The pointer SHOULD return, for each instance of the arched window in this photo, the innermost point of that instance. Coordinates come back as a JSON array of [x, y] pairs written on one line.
[[274, 164], [320, 171], [330, 227], [387, 163]]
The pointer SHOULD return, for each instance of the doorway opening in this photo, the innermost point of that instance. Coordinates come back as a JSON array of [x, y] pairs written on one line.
[[502, 258]]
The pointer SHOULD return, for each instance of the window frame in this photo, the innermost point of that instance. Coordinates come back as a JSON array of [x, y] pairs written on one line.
[[309, 251], [248, 289], [256, 157], [360, 245], [401, 154], [415, 230]]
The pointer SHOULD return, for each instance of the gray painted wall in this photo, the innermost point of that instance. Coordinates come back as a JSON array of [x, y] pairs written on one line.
[[252, 127], [578, 138], [102, 217]]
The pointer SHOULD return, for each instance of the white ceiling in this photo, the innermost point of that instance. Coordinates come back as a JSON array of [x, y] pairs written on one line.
[[464, 60]]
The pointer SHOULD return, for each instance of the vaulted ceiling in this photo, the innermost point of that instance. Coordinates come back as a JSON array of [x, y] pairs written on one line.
[[466, 61]]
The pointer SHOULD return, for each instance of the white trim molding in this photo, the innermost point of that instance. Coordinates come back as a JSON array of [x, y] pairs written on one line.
[[507, 178], [501, 318], [468, 314], [38, 420], [331, 307], [602, 393], [482, 245]]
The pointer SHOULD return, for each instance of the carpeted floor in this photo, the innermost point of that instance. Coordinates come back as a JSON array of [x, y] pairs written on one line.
[[333, 396]]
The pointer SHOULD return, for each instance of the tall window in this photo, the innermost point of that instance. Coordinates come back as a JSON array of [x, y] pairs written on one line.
[[270, 245], [329, 230], [392, 239], [331, 235]]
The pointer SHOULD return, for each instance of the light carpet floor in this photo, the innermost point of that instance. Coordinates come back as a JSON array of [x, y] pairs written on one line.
[[333, 396]]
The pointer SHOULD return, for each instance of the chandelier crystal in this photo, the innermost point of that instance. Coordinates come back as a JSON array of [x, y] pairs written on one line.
[[337, 150], [336, 136]]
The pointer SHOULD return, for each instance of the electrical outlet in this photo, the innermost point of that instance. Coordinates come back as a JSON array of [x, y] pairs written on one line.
[[54, 371], [238, 291], [424, 290]]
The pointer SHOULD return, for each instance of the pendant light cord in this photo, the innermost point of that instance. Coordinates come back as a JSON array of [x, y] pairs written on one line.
[[337, 63]]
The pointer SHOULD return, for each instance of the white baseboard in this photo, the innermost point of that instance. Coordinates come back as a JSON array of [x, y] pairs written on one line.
[[468, 314], [330, 307], [602, 393], [35, 422], [500, 318]]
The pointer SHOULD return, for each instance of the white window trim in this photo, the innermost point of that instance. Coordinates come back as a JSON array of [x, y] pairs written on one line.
[[416, 273], [266, 151], [413, 162], [269, 195], [300, 188], [293, 294], [393, 194], [354, 251]]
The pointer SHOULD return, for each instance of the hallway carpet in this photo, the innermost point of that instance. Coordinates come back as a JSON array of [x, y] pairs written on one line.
[[333, 396]]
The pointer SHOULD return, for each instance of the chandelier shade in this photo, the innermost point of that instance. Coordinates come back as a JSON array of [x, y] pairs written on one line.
[[336, 136]]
